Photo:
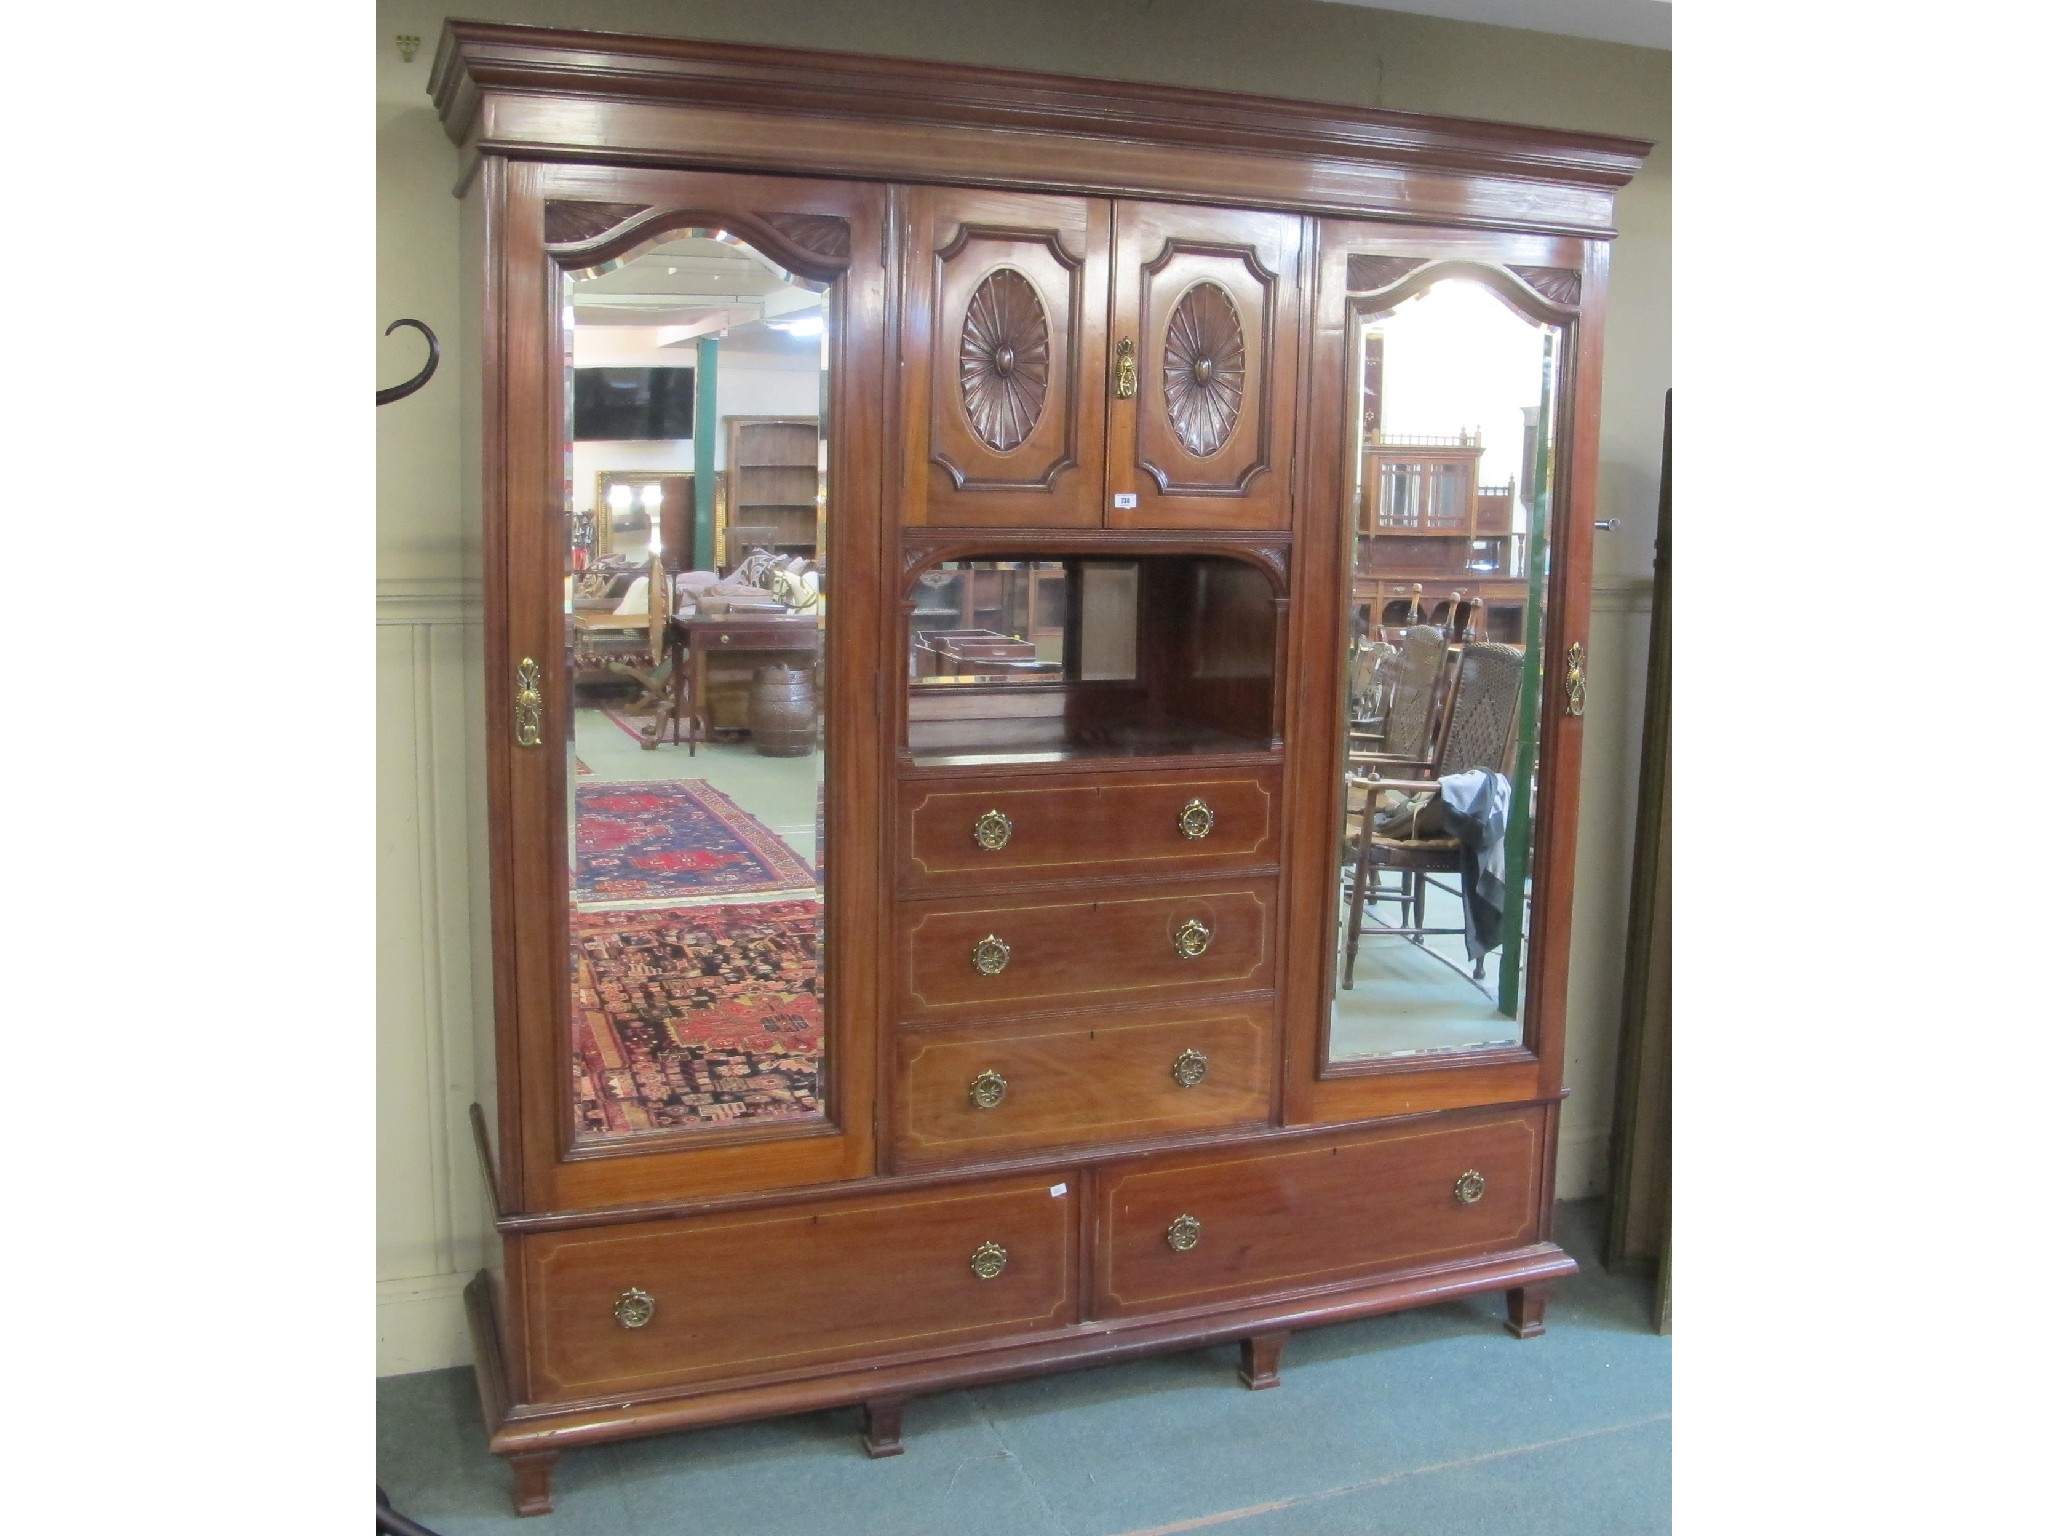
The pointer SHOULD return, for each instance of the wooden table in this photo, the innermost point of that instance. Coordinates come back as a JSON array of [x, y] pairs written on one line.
[[740, 641]]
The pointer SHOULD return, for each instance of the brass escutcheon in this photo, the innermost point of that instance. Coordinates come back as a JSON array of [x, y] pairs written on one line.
[[1183, 1232], [526, 703], [991, 955], [1126, 370], [1575, 679], [1470, 1186], [1196, 819], [991, 830], [988, 1260], [1191, 938], [988, 1089], [1190, 1067], [634, 1308]]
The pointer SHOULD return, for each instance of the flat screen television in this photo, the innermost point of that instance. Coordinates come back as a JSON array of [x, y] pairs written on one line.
[[635, 404]]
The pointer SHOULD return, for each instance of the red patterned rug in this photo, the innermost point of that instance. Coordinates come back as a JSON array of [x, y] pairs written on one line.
[[630, 724], [664, 839], [695, 1016]]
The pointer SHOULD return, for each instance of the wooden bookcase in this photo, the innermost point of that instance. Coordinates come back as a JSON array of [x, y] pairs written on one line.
[[771, 469], [1427, 521]]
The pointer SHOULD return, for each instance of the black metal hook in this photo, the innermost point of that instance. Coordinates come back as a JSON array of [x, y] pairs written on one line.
[[400, 391]]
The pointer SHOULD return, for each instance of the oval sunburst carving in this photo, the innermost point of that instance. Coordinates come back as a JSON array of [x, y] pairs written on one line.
[[1005, 350], [1204, 369]]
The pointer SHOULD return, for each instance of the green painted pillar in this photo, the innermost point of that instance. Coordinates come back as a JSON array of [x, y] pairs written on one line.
[[1521, 808], [705, 441]]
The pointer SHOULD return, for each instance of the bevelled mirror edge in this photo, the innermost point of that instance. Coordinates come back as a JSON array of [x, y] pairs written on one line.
[[1401, 280]]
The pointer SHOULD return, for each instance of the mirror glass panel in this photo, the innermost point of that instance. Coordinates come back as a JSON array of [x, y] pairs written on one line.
[[1452, 406], [1098, 656], [695, 576]]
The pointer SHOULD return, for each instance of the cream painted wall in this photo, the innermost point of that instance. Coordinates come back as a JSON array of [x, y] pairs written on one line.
[[433, 966], [746, 387]]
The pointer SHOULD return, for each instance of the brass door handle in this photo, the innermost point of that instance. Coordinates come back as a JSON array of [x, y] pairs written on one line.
[[1196, 819], [988, 1089], [988, 1260], [526, 703], [1470, 1186], [992, 830], [1126, 370], [1183, 1232], [1190, 1067], [991, 955], [634, 1308], [1191, 938]]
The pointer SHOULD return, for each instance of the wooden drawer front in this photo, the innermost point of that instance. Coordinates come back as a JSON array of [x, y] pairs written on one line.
[[758, 1292], [1104, 1079], [1068, 831], [1058, 954], [1313, 1214]]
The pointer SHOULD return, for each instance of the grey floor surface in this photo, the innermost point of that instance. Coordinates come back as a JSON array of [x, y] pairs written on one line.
[[1428, 1423]]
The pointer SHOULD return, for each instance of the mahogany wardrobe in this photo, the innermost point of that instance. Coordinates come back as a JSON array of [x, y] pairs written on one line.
[[1142, 931]]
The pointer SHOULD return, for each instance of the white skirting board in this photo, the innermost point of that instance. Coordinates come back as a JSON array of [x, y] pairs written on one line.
[[421, 1325]]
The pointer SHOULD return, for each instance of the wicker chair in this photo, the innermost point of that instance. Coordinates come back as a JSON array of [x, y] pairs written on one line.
[[1400, 613], [1466, 619], [1478, 732], [1369, 688], [1413, 682]]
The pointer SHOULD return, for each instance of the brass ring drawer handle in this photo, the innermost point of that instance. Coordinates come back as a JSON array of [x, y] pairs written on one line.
[[988, 1260], [988, 1089], [1470, 1186], [1196, 819], [634, 1308], [1191, 939], [1183, 1232], [1190, 1067], [992, 830], [991, 955]]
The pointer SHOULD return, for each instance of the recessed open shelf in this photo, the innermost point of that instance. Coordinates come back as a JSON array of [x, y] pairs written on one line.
[[1072, 657]]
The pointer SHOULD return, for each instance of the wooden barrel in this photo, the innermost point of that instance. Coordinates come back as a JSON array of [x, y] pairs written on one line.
[[783, 712]]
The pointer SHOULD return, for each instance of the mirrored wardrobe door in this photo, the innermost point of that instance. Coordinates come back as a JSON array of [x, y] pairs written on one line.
[[1452, 406], [695, 383], [705, 478]]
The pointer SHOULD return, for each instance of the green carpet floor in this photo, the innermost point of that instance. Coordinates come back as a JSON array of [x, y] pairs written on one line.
[[1428, 1423]]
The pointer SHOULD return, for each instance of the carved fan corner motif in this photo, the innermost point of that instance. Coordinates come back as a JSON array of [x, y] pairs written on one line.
[[822, 234], [1005, 359], [1204, 369], [574, 223], [1560, 285], [1365, 274]]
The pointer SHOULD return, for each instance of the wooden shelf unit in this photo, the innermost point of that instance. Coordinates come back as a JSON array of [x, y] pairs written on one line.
[[772, 481]]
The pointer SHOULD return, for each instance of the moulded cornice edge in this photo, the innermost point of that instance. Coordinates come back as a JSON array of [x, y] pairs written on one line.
[[476, 58]]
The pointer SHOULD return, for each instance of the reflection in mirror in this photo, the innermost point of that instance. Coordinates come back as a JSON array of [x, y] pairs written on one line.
[[694, 561], [1044, 660], [1449, 475]]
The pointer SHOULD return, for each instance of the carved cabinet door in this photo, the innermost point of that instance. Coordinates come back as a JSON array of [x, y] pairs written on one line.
[[1201, 419], [1004, 359]]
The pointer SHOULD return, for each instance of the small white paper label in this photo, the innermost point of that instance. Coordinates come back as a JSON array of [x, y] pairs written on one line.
[[1124, 500], [1058, 1190]]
